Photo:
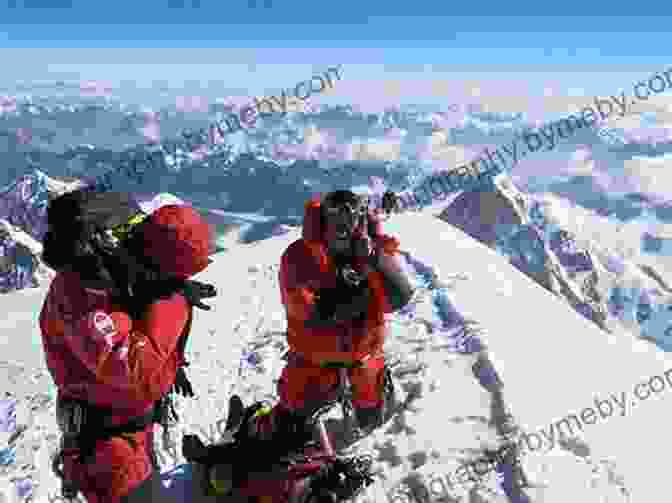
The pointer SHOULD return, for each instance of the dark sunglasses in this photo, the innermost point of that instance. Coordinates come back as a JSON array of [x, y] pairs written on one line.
[[355, 208]]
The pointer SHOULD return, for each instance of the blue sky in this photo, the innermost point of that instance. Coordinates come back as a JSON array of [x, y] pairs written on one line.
[[251, 46]]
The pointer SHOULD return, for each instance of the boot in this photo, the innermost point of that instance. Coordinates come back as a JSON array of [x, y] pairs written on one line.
[[193, 448], [236, 413], [276, 429], [295, 429]]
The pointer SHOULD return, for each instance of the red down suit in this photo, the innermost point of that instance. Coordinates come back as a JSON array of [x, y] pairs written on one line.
[[305, 268], [97, 353]]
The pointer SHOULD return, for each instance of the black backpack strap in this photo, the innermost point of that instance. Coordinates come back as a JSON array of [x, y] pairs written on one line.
[[97, 427], [134, 425]]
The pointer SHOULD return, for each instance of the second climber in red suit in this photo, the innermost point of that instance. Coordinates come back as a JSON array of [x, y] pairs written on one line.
[[338, 283]]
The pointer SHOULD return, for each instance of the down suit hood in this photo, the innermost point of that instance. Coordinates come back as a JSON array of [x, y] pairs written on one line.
[[314, 228], [178, 240]]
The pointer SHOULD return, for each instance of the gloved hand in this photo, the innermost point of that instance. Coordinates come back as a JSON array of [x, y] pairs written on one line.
[[340, 304], [325, 301], [194, 291], [353, 307], [350, 280]]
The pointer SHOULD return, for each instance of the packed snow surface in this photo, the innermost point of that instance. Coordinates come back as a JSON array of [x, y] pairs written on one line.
[[552, 361]]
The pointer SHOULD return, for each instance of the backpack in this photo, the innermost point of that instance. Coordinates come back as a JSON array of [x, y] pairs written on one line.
[[96, 235], [84, 229], [296, 469]]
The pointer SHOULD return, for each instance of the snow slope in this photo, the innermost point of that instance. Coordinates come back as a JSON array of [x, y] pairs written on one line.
[[553, 362]]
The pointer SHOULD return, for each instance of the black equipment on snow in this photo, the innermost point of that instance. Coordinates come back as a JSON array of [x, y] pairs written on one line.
[[295, 468]]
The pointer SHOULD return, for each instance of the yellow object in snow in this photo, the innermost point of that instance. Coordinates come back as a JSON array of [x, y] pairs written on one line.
[[263, 411]]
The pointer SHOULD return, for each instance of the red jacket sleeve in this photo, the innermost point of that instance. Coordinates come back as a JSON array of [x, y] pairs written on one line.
[[92, 337], [298, 272], [296, 286], [135, 356], [153, 357]]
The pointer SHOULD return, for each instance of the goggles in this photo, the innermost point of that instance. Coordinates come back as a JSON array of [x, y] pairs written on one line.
[[122, 232], [338, 208]]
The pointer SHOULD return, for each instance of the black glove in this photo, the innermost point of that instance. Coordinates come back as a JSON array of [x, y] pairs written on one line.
[[325, 303], [350, 281], [355, 306], [194, 291], [349, 300], [182, 384], [149, 291]]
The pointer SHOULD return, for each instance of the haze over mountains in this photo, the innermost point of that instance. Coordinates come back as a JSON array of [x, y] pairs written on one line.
[[577, 275]]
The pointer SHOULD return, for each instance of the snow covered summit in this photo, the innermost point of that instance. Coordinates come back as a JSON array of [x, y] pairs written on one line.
[[546, 354], [549, 240]]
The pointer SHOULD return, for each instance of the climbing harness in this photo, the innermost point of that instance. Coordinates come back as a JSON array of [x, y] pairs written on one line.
[[82, 425]]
